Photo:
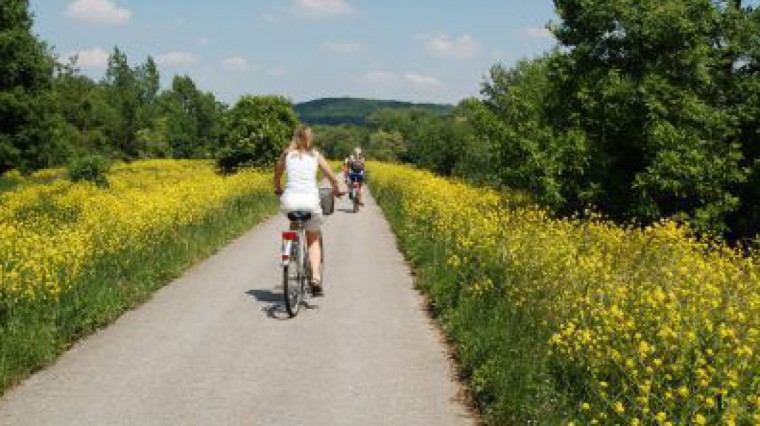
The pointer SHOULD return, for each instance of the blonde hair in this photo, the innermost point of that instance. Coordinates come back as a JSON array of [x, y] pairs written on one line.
[[302, 139]]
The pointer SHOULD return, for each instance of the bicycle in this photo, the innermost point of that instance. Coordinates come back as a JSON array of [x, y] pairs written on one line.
[[353, 194], [296, 266], [354, 191]]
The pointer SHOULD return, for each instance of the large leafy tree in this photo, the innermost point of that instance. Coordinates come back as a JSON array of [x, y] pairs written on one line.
[[124, 95], [647, 91], [84, 106], [29, 126], [193, 119], [519, 119], [257, 129]]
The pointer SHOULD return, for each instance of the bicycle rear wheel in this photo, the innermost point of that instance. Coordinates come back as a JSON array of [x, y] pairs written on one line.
[[293, 285]]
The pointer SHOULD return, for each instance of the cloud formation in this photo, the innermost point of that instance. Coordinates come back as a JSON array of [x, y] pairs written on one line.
[[322, 8], [464, 47], [103, 12], [176, 59], [409, 79], [236, 63], [422, 80], [342, 48], [96, 58]]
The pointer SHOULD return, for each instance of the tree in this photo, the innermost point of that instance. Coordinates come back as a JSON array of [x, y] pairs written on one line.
[[645, 91], [194, 119], [257, 129], [337, 142], [532, 152], [124, 95], [386, 146], [85, 109], [30, 129]]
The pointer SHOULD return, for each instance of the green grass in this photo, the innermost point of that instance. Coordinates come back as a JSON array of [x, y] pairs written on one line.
[[33, 336]]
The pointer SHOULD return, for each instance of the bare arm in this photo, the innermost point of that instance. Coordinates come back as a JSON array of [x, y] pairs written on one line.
[[279, 169], [330, 175]]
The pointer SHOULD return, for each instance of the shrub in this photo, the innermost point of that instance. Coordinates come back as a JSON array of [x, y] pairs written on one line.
[[92, 168]]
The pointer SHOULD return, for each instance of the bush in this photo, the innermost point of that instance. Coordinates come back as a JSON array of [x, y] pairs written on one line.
[[92, 168], [257, 130]]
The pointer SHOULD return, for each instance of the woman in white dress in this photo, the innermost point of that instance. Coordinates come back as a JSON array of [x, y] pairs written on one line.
[[299, 163]]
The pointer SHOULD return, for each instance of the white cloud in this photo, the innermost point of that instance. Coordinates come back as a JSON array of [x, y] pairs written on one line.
[[342, 48], [236, 63], [98, 12], [464, 47], [408, 80], [277, 72], [322, 8], [176, 59], [537, 32], [96, 58], [422, 80], [380, 77]]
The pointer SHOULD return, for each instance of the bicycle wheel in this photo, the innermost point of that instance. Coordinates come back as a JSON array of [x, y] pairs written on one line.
[[292, 284], [322, 260], [356, 203]]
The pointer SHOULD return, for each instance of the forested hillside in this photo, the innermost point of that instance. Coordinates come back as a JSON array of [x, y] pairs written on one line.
[[356, 110]]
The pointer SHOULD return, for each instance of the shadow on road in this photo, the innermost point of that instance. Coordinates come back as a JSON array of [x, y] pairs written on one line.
[[275, 307], [346, 210]]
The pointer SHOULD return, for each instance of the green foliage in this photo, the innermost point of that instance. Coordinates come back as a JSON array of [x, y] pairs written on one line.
[[91, 168], [193, 119], [427, 139], [29, 127], [337, 142], [386, 146], [257, 129], [650, 92], [355, 111]]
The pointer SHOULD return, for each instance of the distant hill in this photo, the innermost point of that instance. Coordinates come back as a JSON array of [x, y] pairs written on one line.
[[355, 110]]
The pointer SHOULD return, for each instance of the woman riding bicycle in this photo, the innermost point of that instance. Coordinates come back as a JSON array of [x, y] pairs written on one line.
[[300, 162]]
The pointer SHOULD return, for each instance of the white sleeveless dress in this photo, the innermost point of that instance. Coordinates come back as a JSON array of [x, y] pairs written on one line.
[[301, 190]]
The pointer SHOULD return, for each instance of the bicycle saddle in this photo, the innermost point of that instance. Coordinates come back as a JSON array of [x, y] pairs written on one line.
[[299, 216]]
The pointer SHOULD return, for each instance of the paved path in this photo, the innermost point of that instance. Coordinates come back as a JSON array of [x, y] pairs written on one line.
[[216, 348]]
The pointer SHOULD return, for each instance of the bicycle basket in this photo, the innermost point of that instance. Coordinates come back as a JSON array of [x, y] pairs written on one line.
[[326, 201]]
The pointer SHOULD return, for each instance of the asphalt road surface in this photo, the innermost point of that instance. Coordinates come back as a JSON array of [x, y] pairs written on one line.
[[216, 346]]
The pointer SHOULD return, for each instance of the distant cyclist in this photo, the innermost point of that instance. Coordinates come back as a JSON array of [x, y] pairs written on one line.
[[300, 163], [356, 167], [346, 162]]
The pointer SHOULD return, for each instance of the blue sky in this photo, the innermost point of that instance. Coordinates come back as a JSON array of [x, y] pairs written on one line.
[[420, 50]]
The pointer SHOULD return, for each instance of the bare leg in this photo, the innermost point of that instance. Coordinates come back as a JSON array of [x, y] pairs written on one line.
[[315, 254]]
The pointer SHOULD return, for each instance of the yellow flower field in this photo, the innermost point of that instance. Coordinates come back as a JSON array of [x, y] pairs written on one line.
[[636, 326], [73, 256], [51, 234]]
